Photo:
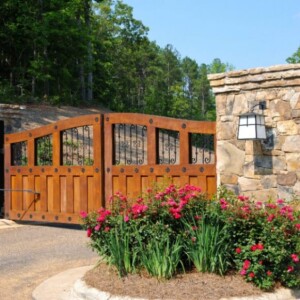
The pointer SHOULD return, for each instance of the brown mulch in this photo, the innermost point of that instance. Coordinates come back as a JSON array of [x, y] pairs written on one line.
[[190, 286]]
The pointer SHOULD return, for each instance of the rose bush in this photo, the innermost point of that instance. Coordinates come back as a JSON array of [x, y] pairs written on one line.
[[175, 229]]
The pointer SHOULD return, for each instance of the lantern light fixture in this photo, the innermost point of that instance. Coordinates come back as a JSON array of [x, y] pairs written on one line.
[[252, 125]]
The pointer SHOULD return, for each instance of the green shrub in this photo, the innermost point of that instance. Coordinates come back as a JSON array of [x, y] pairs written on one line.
[[168, 231]]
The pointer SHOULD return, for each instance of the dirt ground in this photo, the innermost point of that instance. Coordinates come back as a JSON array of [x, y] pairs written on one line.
[[189, 286]]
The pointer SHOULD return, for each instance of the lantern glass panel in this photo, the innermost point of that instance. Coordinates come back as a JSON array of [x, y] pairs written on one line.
[[251, 119], [247, 132]]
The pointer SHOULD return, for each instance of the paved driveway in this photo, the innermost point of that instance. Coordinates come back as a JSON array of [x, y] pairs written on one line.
[[29, 254]]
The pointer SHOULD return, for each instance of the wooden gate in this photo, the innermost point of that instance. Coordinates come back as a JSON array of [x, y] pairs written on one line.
[[55, 171]]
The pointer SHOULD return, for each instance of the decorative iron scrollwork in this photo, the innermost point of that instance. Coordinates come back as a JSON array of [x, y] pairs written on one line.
[[129, 144], [201, 148], [19, 155], [44, 151], [77, 146], [168, 147]]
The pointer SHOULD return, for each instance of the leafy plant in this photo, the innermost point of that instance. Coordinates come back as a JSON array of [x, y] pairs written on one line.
[[161, 257], [207, 245], [173, 228]]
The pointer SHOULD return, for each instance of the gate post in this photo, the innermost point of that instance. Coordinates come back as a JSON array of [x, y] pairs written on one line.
[[1, 168]]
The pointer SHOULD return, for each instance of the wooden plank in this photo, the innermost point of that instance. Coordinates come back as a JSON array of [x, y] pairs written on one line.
[[70, 201], [56, 149], [109, 187], [145, 184], [63, 193], [31, 196], [50, 195], [177, 181], [83, 194], [30, 152], [17, 196], [98, 191], [133, 190], [115, 185], [151, 145], [211, 185], [184, 147], [37, 187], [184, 179], [44, 193], [77, 204], [56, 194], [193, 180], [92, 204], [25, 195], [202, 183], [7, 179]]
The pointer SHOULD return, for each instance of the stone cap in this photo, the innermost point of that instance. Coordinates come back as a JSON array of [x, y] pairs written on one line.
[[258, 78]]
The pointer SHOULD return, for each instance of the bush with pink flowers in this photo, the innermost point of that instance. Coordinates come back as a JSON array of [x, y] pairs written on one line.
[[175, 229]]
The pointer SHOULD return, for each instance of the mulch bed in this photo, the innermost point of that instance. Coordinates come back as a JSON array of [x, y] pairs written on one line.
[[190, 286]]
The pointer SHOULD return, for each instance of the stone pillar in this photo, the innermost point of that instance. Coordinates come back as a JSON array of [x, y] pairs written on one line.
[[261, 169]]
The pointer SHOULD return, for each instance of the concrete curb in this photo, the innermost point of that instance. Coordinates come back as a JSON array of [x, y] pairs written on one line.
[[68, 285], [59, 287]]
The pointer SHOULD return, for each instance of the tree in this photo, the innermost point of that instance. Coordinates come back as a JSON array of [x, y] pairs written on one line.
[[295, 58]]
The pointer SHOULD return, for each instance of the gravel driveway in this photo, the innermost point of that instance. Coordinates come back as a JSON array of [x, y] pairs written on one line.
[[31, 253]]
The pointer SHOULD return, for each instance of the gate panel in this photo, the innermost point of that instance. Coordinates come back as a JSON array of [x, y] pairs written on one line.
[[54, 172], [189, 162]]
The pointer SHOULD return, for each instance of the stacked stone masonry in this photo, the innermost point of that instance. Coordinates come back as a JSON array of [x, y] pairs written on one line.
[[261, 169]]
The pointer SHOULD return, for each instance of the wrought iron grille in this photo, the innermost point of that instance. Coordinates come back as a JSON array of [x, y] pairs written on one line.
[[19, 155], [77, 146], [168, 147], [201, 148], [130, 144], [43, 151]]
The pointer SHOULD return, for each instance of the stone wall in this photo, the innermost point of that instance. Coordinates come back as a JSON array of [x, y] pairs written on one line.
[[269, 168]]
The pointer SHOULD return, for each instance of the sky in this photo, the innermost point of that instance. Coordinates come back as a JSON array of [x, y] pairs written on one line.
[[244, 33]]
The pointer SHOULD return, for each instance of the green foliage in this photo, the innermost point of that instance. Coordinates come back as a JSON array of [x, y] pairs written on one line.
[[207, 244], [122, 255], [95, 52], [173, 229], [161, 257], [295, 58], [265, 239]]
